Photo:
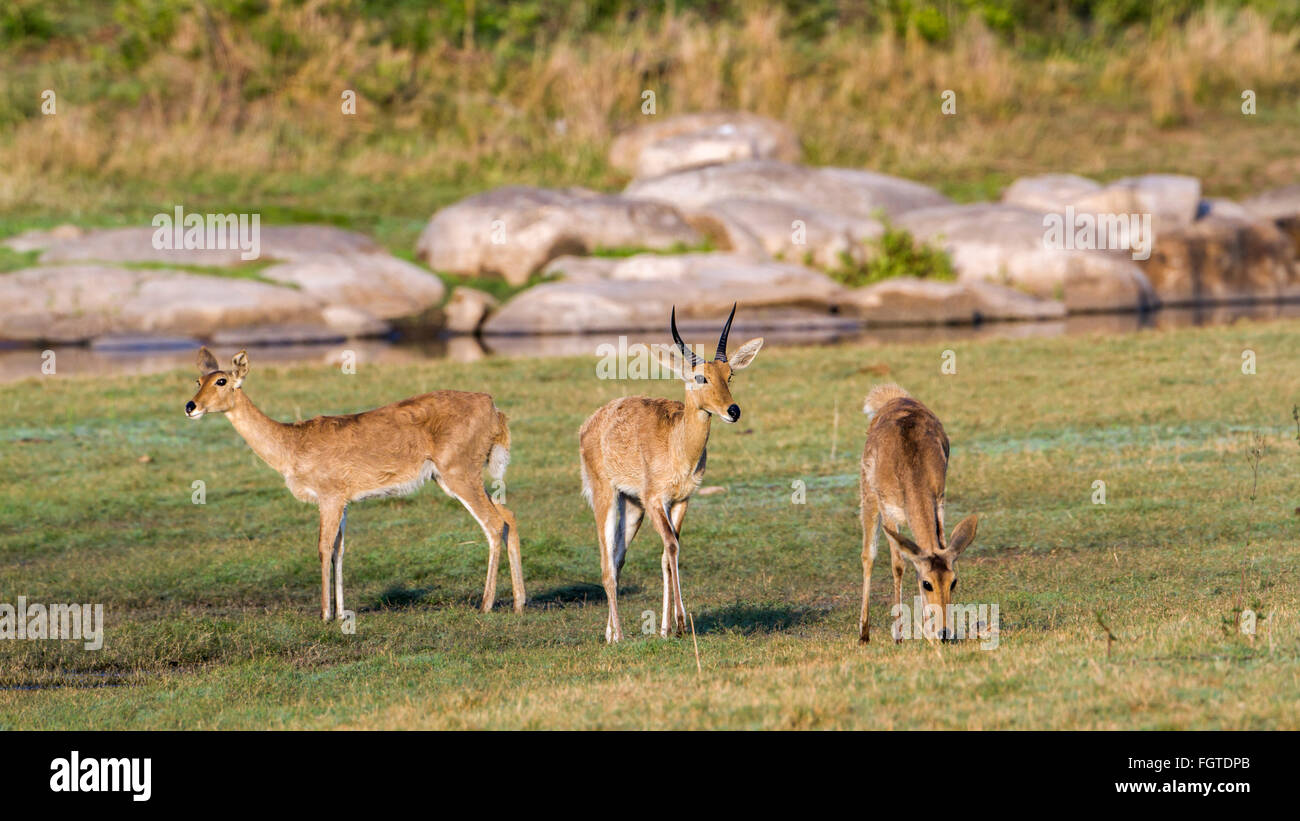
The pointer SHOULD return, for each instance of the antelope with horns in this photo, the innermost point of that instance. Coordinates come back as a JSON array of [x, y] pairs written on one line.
[[644, 456], [903, 474], [332, 460]]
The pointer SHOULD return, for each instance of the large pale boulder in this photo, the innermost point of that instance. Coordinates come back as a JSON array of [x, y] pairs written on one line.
[[640, 291], [137, 244], [1008, 245], [353, 281], [843, 191], [514, 231], [912, 301], [39, 240], [794, 232], [1049, 192], [380, 285], [74, 303], [691, 140], [1172, 200]]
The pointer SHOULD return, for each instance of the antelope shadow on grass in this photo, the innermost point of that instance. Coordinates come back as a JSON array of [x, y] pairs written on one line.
[[749, 619]]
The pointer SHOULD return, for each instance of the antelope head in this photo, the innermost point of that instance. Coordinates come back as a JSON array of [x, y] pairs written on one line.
[[936, 570], [217, 388], [708, 381]]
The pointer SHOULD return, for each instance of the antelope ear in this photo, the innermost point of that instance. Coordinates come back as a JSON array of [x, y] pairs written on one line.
[[671, 360], [240, 365], [908, 546], [963, 534], [207, 362], [742, 358]]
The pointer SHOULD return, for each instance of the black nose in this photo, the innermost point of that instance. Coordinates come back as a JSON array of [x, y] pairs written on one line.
[[734, 412], [189, 406]]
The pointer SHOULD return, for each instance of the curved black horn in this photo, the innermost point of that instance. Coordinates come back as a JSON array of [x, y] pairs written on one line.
[[722, 340], [687, 353]]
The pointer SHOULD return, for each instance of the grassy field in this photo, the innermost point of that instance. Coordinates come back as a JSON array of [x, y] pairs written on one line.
[[211, 610]]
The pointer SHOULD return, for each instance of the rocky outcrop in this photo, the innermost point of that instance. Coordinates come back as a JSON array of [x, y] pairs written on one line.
[[637, 293], [912, 301], [1007, 245], [1049, 192], [1223, 257], [1281, 206], [1173, 201], [692, 140], [323, 283], [74, 303], [842, 191], [792, 232], [513, 232], [1201, 250], [275, 242]]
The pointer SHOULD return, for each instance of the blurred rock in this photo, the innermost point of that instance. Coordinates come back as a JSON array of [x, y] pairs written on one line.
[[336, 283], [514, 231], [1049, 192], [794, 233], [640, 292], [73, 303], [842, 191], [1006, 244], [1282, 206], [40, 240], [277, 242], [692, 140], [467, 308], [377, 284], [908, 300], [1173, 201], [1223, 259]]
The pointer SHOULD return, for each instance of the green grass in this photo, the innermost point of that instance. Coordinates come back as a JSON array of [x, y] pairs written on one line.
[[211, 610]]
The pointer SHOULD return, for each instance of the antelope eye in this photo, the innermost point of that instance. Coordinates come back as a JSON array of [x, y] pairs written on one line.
[[927, 585], [221, 382], [700, 379]]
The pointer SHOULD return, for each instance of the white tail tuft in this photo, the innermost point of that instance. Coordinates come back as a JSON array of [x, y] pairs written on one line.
[[498, 461], [881, 394], [586, 484]]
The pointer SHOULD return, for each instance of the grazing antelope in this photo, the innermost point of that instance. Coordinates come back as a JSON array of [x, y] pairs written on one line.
[[333, 460], [644, 456], [904, 470]]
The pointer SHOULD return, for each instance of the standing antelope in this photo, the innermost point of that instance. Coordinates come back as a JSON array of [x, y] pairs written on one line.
[[904, 470], [644, 455], [389, 451]]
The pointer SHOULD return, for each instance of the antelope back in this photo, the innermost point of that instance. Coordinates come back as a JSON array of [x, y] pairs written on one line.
[[905, 462]]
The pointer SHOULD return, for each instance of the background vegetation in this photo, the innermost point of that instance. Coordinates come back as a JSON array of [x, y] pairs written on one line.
[[235, 104]]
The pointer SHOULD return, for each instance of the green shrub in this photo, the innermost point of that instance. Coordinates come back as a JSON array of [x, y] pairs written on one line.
[[896, 254]]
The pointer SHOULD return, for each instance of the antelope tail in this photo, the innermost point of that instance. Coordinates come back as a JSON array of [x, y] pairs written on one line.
[[881, 394], [499, 456]]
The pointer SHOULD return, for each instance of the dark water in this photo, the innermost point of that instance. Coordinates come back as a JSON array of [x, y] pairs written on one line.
[[148, 356]]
